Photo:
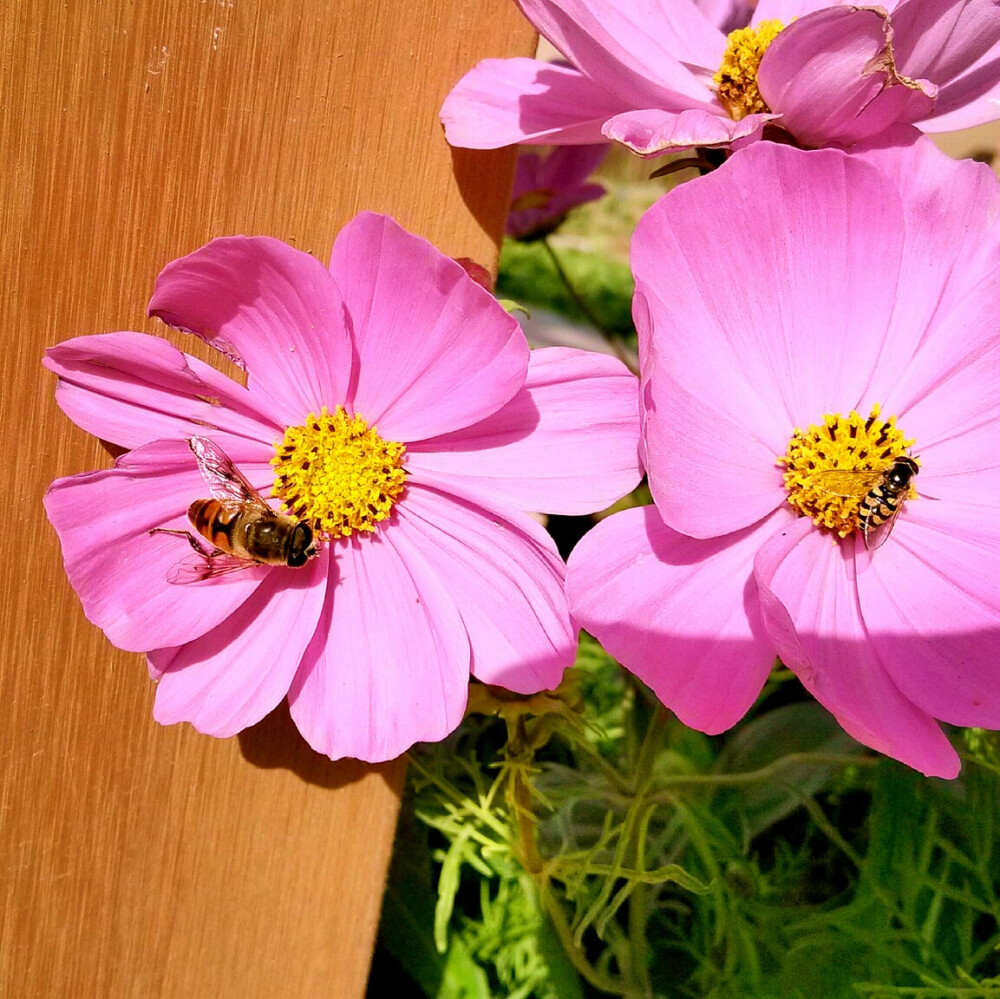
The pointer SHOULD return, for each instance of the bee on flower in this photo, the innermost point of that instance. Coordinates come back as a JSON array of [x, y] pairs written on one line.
[[365, 491]]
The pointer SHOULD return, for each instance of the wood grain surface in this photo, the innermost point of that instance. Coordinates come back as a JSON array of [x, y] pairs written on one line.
[[140, 860]]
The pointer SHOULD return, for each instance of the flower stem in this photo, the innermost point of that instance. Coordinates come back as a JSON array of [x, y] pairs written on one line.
[[638, 903], [612, 339], [590, 974]]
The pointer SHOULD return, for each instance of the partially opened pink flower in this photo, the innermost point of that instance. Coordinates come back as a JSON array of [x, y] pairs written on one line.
[[547, 186], [806, 318], [660, 76], [393, 405]]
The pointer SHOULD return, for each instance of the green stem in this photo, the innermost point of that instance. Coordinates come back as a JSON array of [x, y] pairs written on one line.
[[519, 799], [613, 341], [656, 729], [587, 971], [520, 805], [884, 897], [753, 776], [637, 959]]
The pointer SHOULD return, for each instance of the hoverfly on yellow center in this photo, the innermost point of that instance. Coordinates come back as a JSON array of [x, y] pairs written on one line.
[[881, 495], [851, 474]]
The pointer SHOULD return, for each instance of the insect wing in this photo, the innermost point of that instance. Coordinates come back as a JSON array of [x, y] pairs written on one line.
[[846, 482], [224, 479], [196, 568], [878, 535]]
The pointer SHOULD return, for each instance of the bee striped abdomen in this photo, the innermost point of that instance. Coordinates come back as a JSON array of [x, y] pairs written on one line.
[[214, 521], [243, 529], [877, 507]]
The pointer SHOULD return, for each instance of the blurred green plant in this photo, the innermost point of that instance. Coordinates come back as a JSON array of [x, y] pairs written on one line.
[[598, 290]]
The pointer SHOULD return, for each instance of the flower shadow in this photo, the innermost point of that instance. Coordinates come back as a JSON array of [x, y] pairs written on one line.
[[484, 178], [274, 743]]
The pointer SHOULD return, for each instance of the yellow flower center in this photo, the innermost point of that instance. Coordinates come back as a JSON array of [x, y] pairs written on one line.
[[338, 473], [830, 468], [532, 199], [737, 76]]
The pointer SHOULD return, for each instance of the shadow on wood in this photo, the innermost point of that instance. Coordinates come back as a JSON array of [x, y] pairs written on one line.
[[275, 744]]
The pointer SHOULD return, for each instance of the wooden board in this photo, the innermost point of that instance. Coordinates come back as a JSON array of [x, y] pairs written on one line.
[[149, 861]]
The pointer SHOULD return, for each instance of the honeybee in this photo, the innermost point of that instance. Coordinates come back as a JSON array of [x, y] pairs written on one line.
[[243, 529], [881, 494]]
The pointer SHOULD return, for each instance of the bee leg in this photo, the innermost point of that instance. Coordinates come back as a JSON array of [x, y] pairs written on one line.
[[192, 541]]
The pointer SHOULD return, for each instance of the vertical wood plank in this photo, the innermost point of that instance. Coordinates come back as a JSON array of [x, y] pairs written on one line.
[[138, 860]]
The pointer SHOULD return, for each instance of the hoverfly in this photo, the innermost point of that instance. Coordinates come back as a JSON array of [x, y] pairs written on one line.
[[881, 493], [243, 529]]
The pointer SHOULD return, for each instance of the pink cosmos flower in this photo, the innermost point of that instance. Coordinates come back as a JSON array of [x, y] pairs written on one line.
[[393, 404], [802, 313], [547, 186], [658, 76]]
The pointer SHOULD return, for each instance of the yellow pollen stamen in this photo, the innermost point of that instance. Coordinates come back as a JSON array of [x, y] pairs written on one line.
[[856, 450], [737, 76], [338, 473]]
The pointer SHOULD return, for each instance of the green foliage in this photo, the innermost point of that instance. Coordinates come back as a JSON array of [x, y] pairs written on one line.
[[581, 844], [529, 276]]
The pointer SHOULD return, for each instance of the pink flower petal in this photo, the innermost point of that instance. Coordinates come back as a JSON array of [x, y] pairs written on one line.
[[947, 284], [948, 400], [501, 102], [119, 570], [709, 474], [931, 603], [546, 187], [651, 53], [388, 665], [787, 11], [827, 75], [956, 426], [652, 132], [894, 105], [962, 426], [506, 579], [955, 43], [979, 111], [680, 614], [231, 677], [130, 389], [529, 223], [809, 601], [535, 453], [763, 321], [726, 15], [436, 352], [271, 308], [941, 39], [948, 271], [562, 167]]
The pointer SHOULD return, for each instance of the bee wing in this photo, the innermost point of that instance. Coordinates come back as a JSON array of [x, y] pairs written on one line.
[[224, 479], [197, 568], [877, 536], [846, 482]]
